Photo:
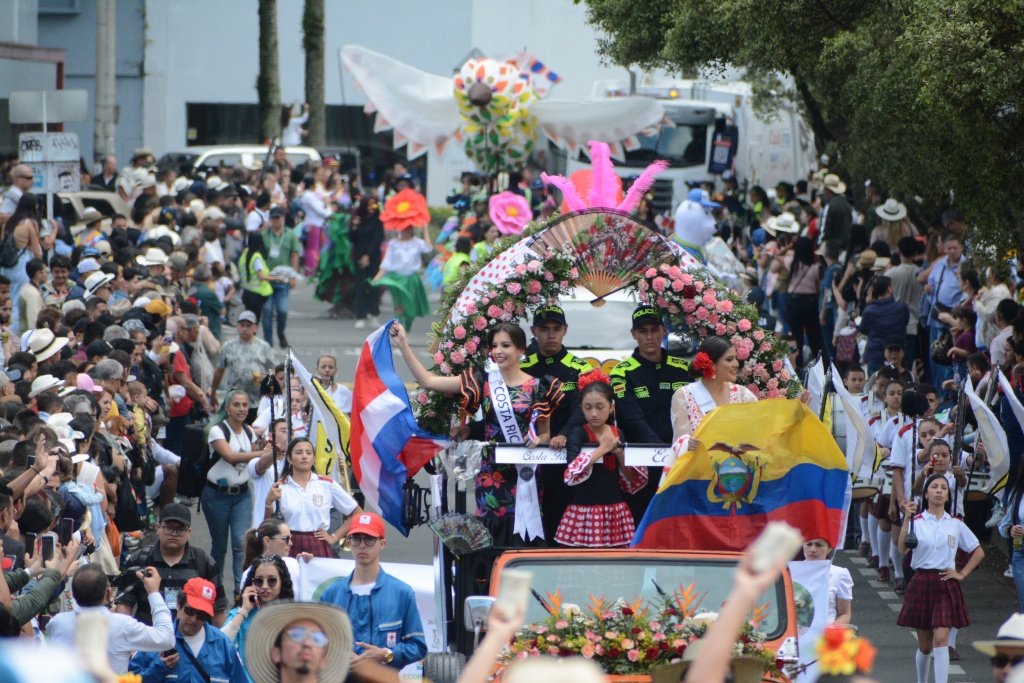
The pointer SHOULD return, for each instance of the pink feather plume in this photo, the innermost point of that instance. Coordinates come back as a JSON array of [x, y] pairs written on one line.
[[568, 190], [640, 186], [603, 191]]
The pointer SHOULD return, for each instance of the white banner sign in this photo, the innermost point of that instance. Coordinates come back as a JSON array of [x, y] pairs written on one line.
[[635, 455], [810, 591], [316, 575]]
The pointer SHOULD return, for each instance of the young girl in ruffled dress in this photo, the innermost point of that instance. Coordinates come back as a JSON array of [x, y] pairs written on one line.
[[598, 516]]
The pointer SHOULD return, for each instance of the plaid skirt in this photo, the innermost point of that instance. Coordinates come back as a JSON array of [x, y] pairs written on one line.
[[880, 509], [932, 603], [307, 542]]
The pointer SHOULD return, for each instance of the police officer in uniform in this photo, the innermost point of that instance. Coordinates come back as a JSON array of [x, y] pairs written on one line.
[[547, 356], [643, 386]]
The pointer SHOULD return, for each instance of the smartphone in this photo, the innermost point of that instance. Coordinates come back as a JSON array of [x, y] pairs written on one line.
[[49, 547], [31, 461], [30, 544], [168, 653], [513, 592], [67, 529], [776, 541]]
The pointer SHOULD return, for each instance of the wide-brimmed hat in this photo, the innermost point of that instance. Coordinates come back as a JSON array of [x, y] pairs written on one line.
[[90, 216], [867, 258], [784, 222], [215, 183], [44, 383], [271, 620], [152, 257], [891, 210], [160, 231], [832, 183], [142, 153], [881, 263], [96, 280], [43, 344], [1010, 634], [88, 265]]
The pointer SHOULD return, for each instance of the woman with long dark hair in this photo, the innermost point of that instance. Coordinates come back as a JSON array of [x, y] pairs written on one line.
[[255, 275], [306, 502], [366, 234], [802, 297], [268, 580], [24, 224]]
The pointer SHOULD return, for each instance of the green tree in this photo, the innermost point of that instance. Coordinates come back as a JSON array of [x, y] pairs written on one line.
[[268, 82], [313, 45], [925, 97]]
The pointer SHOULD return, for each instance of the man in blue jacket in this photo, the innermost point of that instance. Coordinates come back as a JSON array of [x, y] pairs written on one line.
[[385, 621], [201, 652], [882, 317]]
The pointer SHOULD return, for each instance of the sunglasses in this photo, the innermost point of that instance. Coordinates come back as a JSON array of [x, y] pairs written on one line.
[[301, 635], [190, 611], [1000, 661], [362, 539], [286, 539], [270, 581]]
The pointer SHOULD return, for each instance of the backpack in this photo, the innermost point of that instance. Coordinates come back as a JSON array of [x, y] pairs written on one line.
[[846, 345], [9, 252]]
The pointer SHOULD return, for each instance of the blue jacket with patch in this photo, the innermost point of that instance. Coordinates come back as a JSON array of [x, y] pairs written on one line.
[[218, 657], [385, 618]]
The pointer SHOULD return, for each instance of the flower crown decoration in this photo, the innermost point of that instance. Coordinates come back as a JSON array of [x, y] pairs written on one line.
[[704, 363], [840, 653], [591, 376]]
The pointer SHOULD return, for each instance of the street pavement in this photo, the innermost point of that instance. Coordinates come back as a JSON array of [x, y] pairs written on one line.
[[990, 596]]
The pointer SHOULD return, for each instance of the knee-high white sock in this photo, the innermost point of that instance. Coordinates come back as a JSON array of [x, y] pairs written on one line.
[[884, 541], [897, 560], [923, 663], [952, 636], [941, 657], [872, 534]]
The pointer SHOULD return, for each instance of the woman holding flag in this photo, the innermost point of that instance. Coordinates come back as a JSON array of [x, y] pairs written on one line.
[[507, 499]]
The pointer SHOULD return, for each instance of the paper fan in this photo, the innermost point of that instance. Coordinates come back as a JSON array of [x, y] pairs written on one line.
[[461, 533], [609, 248]]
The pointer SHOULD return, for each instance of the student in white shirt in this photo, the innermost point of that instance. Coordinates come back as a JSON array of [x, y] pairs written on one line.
[[400, 273], [878, 426], [306, 502], [264, 474], [935, 601], [326, 370], [840, 583]]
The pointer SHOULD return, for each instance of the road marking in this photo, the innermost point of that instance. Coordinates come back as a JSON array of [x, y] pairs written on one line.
[[858, 560], [895, 608], [957, 669], [889, 595], [868, 572], [877, 584]]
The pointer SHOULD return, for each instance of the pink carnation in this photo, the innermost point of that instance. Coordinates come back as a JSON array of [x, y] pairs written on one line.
[[492, 312], [659, 284], [713, 319], [458, 357], [459, 332], [642, 285], [574, 273], [438, 357], [752, 388], [702, 313], [741, 354], [677, 285], [784, 375], [446, 369], [550, 277], [698, 285], [719, 329], [686, 279], [521, 269], [533, 266], [449, 345], [564, 284], [587, 651], [747, 344], [730, 329], [777, 364], [422, 398], [773, 393], [773, 383], [651, 272], [553, 651], [506, 316], [724, 306], [634, 655], [480, 324], [690, 320], [533, 287], [689, 305], [513, 288], [471, 347], [709, 298], [561, 623], [509, 306], [765, 346], [744, 325], [674, 272]]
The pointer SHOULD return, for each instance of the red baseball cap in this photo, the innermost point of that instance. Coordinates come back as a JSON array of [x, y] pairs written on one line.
[[367, 523], [200, 594]]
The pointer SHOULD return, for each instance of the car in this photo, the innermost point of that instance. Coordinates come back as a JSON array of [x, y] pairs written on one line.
[[581, 575], [73, 204], [209, 158]]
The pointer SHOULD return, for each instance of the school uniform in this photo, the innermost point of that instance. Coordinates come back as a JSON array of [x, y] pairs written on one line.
[[307, 510]]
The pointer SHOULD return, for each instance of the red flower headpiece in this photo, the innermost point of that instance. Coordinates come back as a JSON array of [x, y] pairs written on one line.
[[591, 376], [704, 363]]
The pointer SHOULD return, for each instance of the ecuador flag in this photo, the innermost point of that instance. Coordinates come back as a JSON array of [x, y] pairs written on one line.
[[756, 462]]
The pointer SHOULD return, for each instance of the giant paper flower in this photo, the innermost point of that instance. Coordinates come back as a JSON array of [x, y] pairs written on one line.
[[405, 209], [510, 212]]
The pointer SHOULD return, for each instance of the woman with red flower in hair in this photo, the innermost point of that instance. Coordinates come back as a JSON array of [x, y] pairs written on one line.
[[598, 516], [716, 366]]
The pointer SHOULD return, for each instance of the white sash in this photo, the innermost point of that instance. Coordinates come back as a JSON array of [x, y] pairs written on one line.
[[702, 397], [527, 519]]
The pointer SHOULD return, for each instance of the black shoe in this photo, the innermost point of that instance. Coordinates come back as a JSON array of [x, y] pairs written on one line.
[[283, 342]]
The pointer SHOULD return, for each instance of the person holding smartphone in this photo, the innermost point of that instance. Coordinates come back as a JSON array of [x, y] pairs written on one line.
[[268, 580]]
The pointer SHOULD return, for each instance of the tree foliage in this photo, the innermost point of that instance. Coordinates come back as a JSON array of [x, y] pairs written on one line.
[[924, 97]]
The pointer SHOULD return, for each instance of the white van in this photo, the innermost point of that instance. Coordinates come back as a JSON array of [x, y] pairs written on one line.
[[208, 158], [766, 152]]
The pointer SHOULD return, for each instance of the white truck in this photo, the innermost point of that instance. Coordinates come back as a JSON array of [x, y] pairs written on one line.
[[765, 153]]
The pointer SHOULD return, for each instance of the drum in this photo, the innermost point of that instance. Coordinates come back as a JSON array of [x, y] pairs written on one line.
[[839, 427], [980, 483], [864, 488], [887, 483]]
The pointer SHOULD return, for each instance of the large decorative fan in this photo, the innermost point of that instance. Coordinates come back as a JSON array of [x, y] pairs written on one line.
[[609, 248], [461, 533]]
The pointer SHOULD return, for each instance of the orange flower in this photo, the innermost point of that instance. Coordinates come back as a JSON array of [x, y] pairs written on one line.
[[865, 658], [556, 599], [405, 209]]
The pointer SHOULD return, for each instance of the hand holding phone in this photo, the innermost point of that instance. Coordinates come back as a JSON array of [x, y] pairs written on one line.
[[67, 528], [513, 593], [49, 547], [30, 544], [778, 541]]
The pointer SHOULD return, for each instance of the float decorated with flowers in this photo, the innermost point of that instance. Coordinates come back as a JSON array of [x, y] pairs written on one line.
[[601, 246]]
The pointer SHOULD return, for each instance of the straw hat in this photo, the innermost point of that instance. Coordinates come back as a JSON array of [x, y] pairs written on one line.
[[271, 620], [784, 222], [834, 184], [892, 210], [152, 257], [1010, 634], [867, 259]]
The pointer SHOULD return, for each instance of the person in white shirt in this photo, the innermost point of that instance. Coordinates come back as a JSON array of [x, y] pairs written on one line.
[[317, 213], [326, 371], [226, 501], [400, 273], [92, 592], [264, 474], [935, 601], [840, 583], [306, 502], [879, 427], [259, 217], [22, 179], [291, 125]]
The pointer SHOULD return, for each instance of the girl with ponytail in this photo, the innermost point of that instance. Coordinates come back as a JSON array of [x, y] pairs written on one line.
[[598, 516]]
